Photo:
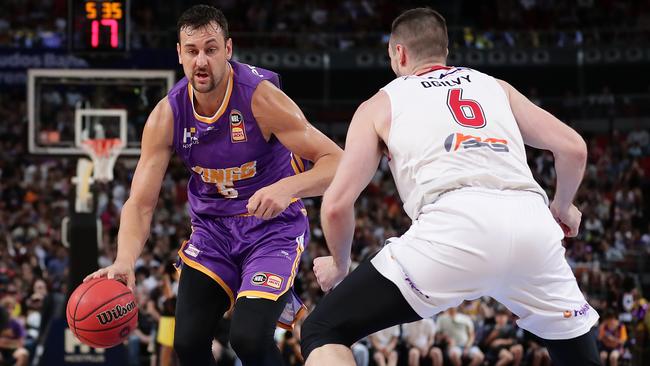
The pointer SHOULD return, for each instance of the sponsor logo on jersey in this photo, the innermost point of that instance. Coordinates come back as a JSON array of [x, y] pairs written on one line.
[[267, 279], [189, 137], [192, 251], [237, 127], [575, 313], [119, 311], [457, 141]]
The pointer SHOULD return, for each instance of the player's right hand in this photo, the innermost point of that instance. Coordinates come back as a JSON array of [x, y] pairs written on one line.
[[568, 217], [120, 271], [328, 273]]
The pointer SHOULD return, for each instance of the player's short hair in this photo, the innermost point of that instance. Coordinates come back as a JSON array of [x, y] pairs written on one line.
[[200, 16], [423, 31]]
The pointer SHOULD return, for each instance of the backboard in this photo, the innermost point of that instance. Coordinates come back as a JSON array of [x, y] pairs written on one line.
[[68, 106]]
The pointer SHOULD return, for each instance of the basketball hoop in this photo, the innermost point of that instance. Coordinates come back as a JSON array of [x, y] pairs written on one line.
[[104, 153]]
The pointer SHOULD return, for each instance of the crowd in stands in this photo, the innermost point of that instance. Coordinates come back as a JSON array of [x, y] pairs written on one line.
[[607, 257], [352, 23]]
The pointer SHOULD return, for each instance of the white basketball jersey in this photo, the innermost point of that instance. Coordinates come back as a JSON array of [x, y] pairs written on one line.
[[452, 127]]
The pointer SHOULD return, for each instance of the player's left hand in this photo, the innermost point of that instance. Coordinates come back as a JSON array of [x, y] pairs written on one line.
[[328, 273], [269, 201]]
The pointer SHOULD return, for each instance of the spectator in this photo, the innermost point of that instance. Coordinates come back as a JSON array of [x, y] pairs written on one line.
[[612, 336], [501, 341], [142, 336], [12, 338], [458, 332], [536, 353], [383, 346], [360, 353], [419, 337], [290, 349]]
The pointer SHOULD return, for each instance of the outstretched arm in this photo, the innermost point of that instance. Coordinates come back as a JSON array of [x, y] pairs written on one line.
[[137, 212], [542, 130], [359, 163]]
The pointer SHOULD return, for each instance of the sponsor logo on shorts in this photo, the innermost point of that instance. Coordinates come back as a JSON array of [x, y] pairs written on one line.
[[575, 313], [237, 127], [192, 251], [457, 141], [119, 311], [267, 279], [415, 288]]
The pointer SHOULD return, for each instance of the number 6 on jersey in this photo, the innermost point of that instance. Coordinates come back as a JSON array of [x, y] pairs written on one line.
[[466, 112]]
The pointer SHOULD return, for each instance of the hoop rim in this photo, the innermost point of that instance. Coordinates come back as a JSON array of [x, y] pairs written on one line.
[[102, 148]]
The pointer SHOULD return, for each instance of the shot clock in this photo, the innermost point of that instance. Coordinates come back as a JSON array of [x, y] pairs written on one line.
[[98, 25]]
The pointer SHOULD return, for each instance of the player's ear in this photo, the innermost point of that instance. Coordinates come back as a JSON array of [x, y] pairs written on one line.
[[401, 54], [178, 50], [229, 48]]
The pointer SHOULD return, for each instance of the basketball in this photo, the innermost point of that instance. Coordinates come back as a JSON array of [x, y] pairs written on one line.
[[102, 312]]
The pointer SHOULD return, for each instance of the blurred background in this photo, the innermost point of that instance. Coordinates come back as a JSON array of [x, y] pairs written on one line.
[[586, 61]]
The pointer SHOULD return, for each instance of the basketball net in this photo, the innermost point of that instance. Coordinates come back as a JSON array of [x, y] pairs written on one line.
[[104, 153]]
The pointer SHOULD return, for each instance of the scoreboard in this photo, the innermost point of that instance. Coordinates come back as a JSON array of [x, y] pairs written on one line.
[[98, 25]]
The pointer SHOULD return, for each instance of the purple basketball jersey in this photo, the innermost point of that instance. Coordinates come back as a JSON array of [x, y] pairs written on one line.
[[227, 153], [229, 160]]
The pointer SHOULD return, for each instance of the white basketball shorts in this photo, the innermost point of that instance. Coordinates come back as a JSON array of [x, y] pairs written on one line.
[[478, 242]]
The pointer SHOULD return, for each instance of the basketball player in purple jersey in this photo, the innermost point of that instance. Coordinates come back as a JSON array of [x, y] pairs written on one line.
[[243, 141]]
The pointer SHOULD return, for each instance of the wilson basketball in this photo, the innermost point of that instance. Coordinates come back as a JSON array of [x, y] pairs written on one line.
[[102, 312]]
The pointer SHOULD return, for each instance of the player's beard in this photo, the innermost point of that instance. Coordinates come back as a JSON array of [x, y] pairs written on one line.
[[204, 88]]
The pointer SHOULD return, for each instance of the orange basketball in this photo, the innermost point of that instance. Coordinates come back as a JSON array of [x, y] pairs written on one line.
[[102, 312]]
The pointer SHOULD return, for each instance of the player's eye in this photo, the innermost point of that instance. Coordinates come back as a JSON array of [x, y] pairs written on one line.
[[192, 51], [212, 50]]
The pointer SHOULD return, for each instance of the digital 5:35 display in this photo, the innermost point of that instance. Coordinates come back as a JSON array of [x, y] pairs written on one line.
[[100, 25]]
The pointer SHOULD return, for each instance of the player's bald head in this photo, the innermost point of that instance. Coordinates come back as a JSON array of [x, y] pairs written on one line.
[[424, 33]]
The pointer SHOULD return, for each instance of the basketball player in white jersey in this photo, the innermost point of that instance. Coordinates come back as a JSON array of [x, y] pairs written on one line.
[[481, 224]]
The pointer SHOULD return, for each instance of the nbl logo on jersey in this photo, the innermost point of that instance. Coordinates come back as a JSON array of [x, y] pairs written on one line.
[[237, 127], [459, 141]]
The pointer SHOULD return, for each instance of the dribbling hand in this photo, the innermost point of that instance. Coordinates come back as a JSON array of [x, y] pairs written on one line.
[[328, 273], [568, 217], [120, 271]]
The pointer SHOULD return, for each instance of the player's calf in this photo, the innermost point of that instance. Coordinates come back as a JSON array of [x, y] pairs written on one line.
[[252, 329]]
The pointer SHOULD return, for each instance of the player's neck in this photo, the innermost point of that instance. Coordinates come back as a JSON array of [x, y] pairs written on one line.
[[424, 67]]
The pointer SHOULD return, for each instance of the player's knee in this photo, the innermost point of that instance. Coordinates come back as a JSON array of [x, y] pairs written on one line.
[[414, 352], [613, 356], [316, 332], [184, 346], [190, 340], [247, 341]]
